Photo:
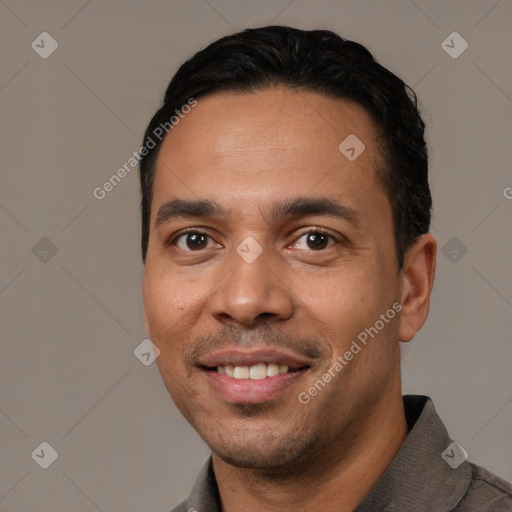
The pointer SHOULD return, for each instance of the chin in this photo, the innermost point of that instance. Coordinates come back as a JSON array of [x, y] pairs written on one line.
[[270, 453]]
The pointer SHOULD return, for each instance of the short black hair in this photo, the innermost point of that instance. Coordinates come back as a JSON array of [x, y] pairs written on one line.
[[310, 61]]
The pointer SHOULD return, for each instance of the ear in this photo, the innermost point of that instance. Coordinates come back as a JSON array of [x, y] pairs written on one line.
[[417, 280]]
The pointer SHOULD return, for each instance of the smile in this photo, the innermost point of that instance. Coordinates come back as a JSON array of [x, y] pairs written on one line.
[[252, 376], [256, 372]]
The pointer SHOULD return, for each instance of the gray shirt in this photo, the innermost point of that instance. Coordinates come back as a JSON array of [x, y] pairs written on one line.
[[429, 473]]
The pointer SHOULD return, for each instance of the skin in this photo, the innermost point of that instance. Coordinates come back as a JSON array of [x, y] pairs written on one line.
[[245, 152]]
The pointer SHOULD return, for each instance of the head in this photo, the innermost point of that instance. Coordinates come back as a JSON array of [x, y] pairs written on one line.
[[285, 211]]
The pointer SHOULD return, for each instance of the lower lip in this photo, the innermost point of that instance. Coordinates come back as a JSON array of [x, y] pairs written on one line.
[[248, 391]]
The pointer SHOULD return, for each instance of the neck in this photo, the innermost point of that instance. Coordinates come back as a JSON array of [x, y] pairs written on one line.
[[338, 478]]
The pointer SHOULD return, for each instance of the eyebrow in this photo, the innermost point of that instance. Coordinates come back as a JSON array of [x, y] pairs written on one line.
[[290, 208], [308, 206], [185, 208]]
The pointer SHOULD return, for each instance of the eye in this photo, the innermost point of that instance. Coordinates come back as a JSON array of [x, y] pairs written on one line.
[[315, 241], [193, 241]]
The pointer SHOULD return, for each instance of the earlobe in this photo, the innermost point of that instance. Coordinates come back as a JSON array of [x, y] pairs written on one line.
[[418, 278]]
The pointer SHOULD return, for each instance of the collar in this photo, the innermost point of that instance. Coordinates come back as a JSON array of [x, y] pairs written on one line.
[[418, 474]]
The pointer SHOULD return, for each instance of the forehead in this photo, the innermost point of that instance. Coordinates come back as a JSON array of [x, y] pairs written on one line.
[[259, 146]]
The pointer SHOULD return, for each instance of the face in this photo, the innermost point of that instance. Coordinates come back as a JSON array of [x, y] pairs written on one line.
[[269, 253]]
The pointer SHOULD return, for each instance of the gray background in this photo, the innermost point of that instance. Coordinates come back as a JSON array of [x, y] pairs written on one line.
[[71, 320]]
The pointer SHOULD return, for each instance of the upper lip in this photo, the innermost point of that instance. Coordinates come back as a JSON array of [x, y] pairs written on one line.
[[239, 357]]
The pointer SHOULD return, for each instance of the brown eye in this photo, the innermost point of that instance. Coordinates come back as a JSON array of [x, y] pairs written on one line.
[[317, 240], [192, 241], [314, 241]]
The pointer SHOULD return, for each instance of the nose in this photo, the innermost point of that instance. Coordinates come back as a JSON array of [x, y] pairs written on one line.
[[251, 293]]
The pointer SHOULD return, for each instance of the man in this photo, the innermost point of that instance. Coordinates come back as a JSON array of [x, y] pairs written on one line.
[[285, 219]]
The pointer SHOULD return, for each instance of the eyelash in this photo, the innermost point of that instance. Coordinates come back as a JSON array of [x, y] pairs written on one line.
[[316, 231], [188, 232]]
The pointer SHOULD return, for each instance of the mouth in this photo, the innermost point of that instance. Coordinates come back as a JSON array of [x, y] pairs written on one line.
[[257, 371], [241, 377]]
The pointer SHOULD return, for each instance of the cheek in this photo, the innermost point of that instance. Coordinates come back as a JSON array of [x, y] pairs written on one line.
[[163, 305], [342, 303], [164, 290], [166, 313], [173, 303], [159, 301]]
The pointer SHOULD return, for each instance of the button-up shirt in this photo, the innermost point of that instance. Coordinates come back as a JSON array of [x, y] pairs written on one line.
[[429, 473]]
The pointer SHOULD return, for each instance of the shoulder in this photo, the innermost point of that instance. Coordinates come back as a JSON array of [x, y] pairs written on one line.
[[486, 492]]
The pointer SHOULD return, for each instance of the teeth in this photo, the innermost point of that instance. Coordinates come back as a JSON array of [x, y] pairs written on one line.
[[241, 372], [256, 372], [272, 370]]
